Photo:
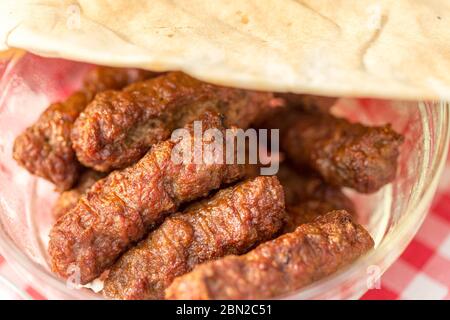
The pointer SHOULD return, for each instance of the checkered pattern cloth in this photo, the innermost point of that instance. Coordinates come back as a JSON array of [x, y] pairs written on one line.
[[423, 270]]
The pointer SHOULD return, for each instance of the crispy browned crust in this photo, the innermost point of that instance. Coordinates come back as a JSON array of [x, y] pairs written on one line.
[[343, 153], [307, 195], [68, 199], [120, 209], [231, 222], [118, 127], [290, 262], [45, 148]]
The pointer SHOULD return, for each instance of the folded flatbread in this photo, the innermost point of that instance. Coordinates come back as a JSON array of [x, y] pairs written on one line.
[[377, 48]]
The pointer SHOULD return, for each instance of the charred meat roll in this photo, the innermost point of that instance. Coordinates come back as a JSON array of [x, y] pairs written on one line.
[[118, 127], [45, 148], [294, 260], [345, 154]]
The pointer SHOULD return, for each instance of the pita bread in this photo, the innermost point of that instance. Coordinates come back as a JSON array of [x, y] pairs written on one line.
[[378, 48]]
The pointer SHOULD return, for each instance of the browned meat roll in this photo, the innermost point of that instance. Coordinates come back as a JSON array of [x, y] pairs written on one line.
[[45, 148], [118, 127], [313, 251]]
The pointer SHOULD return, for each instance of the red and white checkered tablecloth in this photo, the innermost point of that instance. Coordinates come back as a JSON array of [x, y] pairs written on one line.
[[422, 271]]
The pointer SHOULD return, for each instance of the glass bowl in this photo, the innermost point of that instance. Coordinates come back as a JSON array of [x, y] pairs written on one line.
[[393, 215]]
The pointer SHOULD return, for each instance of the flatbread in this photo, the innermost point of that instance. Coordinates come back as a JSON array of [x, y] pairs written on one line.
[[377, 48]]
